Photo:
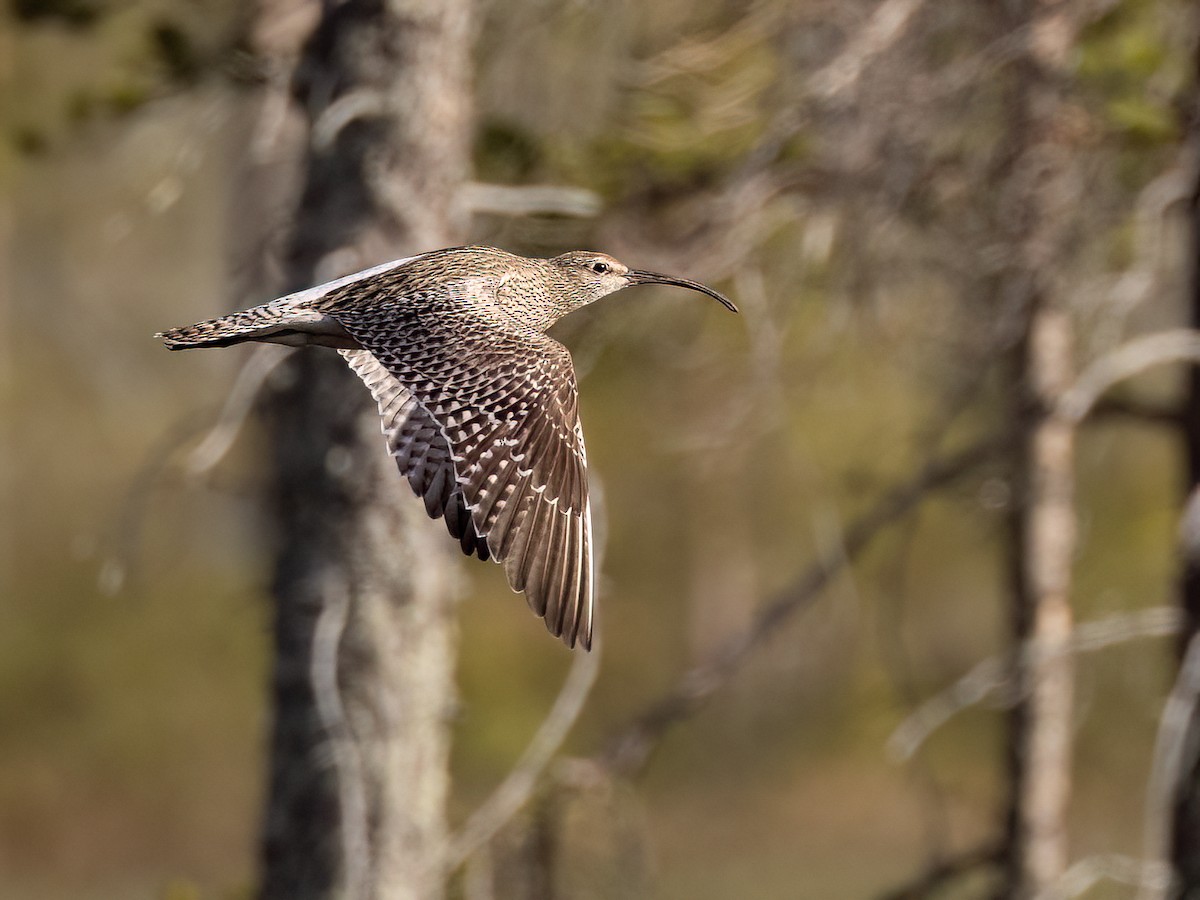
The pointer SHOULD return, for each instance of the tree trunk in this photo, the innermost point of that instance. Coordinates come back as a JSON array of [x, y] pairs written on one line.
[[1044, 543], [364, 631], [1041, 199], [1185, 845]]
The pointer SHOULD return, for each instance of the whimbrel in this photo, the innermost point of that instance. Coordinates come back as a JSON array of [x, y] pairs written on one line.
[[479, 405]]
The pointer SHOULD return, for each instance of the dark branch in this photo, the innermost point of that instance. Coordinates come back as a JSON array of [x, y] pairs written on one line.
[[935, 877], [1138, 411]]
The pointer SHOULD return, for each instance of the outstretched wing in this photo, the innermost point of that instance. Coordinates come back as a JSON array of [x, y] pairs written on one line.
[[420, 449], [484, 425]]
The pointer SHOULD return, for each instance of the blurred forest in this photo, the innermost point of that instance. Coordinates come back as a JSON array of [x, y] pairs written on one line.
[[895, 586]]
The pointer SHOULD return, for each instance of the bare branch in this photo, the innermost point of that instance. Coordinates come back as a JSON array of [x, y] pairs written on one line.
[[1138, 411], [530, 200], [516, 789], [351, 778], [887, 24], [993, 675], [933, 879], [238, 404], [121, 562], [266, 137], [363, 103], [630, 748], [1131, 358], [1083, 875], [1144, 277]]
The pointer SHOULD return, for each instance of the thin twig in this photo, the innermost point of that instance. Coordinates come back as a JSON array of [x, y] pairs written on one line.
[[516, 789], [530, 200], [934, 878], [518, 786], [834, 82], [350, 777], [1127, 360], [887, 24], [364, 103], [1141, 412], [238, 405], [268, 129], [1135, 286], [994, 674], [630, 748], [1083, 875], [120, 565]]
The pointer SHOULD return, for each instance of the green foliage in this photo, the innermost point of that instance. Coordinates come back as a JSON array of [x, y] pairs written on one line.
[[113, 61], [1131, 61], [1144, 122]]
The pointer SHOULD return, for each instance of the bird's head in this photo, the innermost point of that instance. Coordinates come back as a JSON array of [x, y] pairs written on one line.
[[590, 276]]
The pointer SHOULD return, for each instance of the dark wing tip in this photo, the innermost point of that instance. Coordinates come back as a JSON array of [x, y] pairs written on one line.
[[584, 638], [578, 634], [557, 583]]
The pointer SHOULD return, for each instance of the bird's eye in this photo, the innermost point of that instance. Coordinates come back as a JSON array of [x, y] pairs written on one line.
[[601, 268]]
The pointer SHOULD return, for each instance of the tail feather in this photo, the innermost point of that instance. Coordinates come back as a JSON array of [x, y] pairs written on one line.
[[276, 322], [210, 333]]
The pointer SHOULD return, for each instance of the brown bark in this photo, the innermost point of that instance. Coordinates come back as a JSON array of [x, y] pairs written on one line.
[[364, 631]]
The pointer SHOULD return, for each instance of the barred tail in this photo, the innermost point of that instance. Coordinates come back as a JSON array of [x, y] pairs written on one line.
[[211, 333], [276, 322]]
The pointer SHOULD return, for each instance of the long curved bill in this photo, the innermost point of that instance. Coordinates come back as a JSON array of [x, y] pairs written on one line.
[[638, 277]]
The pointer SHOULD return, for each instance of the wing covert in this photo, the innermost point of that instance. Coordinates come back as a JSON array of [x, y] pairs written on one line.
[[484, 424]]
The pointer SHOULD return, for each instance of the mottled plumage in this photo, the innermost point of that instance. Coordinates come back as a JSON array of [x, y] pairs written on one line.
[[479, 406]]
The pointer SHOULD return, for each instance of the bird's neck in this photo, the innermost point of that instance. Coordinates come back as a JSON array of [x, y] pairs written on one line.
[[530, 300]]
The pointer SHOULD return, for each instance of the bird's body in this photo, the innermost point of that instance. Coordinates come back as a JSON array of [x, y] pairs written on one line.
[[479, 405]]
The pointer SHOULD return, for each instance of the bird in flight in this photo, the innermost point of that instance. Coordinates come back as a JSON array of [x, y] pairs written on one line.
[[479, 405]]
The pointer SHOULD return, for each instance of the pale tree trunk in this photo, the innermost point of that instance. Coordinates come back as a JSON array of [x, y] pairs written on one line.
[[1041, 202], [364, 631], [1045, 542]]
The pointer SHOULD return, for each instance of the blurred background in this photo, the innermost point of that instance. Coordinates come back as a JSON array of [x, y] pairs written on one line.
[[856, 176]]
